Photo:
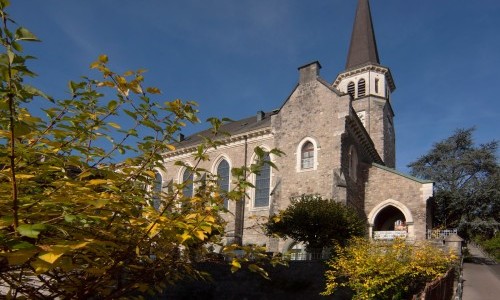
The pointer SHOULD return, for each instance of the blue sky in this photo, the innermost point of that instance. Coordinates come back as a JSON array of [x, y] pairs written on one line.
[[235, 57]]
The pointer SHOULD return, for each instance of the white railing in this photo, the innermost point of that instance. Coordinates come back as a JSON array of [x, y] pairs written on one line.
[[316, 255], [389, 235], [305, 256], [440, 233]]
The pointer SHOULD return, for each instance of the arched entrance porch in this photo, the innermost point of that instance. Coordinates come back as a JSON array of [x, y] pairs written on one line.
[[389, 220]]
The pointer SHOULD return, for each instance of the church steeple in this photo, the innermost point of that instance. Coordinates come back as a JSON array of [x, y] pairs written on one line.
[[369, 85], [363, 48]]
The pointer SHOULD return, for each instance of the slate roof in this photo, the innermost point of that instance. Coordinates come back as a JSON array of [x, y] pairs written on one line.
[[423, 181], [363, 47], [234, 128]]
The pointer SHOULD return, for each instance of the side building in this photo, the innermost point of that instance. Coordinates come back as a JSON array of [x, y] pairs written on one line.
[[339, 140]]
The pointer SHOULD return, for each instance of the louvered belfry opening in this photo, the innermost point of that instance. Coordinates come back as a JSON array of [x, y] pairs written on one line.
[[361, 88], [350, 89]]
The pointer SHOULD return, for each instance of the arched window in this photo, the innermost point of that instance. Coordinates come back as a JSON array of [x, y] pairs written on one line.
[[307, 156], [350, 89], [187, 179], [353, 163], [262, 185], [361, 88], [376, 85], [157, 189], [223, 178]]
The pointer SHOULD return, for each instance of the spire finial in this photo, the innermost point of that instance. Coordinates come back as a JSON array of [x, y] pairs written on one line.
[[363, 48]]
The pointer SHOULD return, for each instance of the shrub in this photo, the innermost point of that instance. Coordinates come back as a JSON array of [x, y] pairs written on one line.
[[317, 222], [76, 187], [492, 246], [385, 270]]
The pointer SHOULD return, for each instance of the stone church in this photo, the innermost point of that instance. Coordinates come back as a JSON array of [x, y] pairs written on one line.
[[339, 140]]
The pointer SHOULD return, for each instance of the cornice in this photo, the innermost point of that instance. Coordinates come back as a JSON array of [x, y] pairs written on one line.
[[226, 140], [366, 68]]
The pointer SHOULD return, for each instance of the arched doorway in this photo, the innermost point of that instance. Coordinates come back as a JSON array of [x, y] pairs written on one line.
[[389, 220]]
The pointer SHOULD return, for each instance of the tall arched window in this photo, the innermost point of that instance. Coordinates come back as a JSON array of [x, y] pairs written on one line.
[[262, 185], [361, 88], [223, 178], [187, 179], [307, 156], [350, 89], [353, 163], [157, 189]]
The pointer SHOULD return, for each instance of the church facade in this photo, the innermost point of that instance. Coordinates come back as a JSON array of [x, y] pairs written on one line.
[[339, 143]]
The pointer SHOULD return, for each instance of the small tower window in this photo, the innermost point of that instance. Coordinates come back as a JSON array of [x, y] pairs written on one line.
[[376, 85], [361, 88], [307, 156], [350, 89]]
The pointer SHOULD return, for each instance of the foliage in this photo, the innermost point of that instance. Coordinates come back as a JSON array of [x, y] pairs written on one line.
[[385, 270], [492, 246], [467, 183], [75, 224], [317, 222]]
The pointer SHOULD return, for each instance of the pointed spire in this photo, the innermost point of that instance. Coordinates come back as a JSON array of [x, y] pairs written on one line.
[[363, 48]]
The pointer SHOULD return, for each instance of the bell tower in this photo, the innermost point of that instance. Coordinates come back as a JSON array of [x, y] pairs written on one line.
[[370, 85]]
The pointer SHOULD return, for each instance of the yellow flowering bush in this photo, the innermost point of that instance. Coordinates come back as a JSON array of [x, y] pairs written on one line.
[[385, 270]]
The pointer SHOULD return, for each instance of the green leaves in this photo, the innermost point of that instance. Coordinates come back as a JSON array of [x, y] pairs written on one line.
[[462, 171], [103, 58], [11, 56], [23, 34], [31, 230], [78, 211], [4, 4], [317, 222], [153, 90], [19, 257]]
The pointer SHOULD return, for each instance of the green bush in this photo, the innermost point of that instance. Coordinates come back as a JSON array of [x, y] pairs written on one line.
[[317, 222], [492, 246]]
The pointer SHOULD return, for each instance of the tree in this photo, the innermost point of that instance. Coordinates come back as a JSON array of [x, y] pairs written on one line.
[[382, 270], [317, 222], [75, 185], [467, 182]]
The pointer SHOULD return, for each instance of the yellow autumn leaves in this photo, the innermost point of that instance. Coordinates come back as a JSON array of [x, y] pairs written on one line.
[[382, 270]]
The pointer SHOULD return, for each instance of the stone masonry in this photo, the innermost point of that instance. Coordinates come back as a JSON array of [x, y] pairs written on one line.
[[339, 143]]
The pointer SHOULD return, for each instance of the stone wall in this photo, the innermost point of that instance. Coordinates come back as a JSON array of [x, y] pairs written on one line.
[[233, 152], [410, 195], [378, 116], [355, 186], [313, 111], [376, 105], [318, 113]]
